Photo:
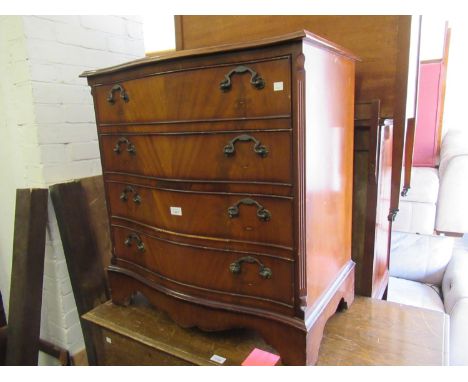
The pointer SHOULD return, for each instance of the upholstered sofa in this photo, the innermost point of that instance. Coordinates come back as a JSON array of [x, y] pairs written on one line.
[[437, 201], [425, 268], [428, 272]]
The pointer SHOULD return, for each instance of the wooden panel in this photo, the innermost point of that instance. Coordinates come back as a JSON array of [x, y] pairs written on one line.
[[169, 260], [95, 201], [159, 97], [382, 333], [382, 42], [372, 38], [207, 214], [139, 335], [84, 262], [24, 318], [329, 167], [3, 321], [371, 198], [202, 156], [426, 132]]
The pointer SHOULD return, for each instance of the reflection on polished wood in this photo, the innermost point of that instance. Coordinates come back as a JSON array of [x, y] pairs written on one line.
[[375, 332], [140, 335], [371, 332]]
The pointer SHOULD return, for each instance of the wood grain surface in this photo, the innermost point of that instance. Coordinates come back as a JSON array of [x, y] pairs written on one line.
[[24, 316], [375, 332], [159, 97], [178, 156], [82, 253], [276, 213], [369, 333]]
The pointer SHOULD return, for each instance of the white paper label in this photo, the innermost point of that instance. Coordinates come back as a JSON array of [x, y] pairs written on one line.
[[176, 211], [218, 359], [278, 86], [109, 340]]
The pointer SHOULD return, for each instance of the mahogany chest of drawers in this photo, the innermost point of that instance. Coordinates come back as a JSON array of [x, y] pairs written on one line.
[[228, 177]]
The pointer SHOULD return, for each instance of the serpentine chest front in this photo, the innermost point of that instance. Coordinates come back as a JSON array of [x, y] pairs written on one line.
[[228, 177]]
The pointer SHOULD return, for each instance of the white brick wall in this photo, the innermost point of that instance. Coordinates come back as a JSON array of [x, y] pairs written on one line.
[[51, 124]]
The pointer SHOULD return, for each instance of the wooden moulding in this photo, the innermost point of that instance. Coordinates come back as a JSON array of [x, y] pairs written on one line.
[[83, 225], [296, 340], [24, 316]]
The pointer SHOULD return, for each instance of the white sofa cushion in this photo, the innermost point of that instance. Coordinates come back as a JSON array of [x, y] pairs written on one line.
[[454, 144], [415, 217], [424, 185], [459, 333], [413, 293], [420, 257], [455, 283], [452, 203]]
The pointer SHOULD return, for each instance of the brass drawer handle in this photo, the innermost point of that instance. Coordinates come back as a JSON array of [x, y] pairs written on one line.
[[124, 141], [117, 88], [126, 191], [264, 272], [258, 148], [262, 213], [257, 81], [134, 237]]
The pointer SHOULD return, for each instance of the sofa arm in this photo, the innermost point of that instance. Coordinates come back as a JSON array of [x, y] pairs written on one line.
[[455, 281], [459, 333], [452, 203], [421, 258]]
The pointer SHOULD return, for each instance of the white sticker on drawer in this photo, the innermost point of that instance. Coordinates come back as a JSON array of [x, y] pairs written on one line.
[[278, 86], [218, 359], [108, 340], [177, 211]]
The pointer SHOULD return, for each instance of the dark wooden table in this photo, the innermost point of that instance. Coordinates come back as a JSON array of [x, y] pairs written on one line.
[[371, 332]]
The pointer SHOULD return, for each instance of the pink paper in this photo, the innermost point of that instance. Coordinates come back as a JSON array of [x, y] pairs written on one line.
[[261, 358]]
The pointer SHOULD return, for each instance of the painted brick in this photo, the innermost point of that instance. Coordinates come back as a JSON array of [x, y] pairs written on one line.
[[39, 28], [68, 303], [135, 30], [68, 19], [77, 35], [88, 150], [43, 72], [55, 153], [74, 333], [30, 153], [66, 133], [70, 171], [126, 45], [34, 173], [19, 72], [58, 93], [49, 114], [11, 27], [109, 24], [61, 270], [69, 74], [65, 286], [17, 50], [79, 113]]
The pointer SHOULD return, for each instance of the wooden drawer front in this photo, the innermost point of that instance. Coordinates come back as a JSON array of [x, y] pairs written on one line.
[[196, 94], [240, 156], [269, 221], [251, 275]]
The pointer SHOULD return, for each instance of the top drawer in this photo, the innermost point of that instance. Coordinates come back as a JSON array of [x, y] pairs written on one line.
[[254, 89]]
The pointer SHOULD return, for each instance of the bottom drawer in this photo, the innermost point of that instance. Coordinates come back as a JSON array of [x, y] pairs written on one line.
[[203, 269]]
